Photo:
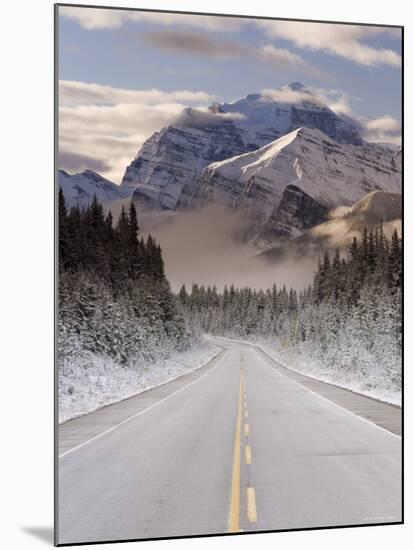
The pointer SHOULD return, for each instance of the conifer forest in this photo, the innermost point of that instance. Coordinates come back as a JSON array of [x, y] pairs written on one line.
[[116, 308]]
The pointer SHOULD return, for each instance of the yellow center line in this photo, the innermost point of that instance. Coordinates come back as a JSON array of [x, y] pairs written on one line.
[[248, 453], [251, 504], [234, 515]]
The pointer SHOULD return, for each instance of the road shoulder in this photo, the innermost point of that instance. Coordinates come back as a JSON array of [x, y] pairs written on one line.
[[81, 430]]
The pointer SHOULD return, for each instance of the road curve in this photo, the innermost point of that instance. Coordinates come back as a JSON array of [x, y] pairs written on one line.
[[234, 446]]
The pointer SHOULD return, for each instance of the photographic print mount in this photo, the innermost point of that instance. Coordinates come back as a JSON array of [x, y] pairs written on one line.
[[229, 341]]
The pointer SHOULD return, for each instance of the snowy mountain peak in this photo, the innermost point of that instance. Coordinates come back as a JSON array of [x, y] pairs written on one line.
[[165, 170], [215, 108], [295, 87], [253, 97], [79, 189], [92, 176]]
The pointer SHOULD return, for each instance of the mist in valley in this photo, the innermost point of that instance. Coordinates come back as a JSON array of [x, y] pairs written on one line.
[[205, 247]]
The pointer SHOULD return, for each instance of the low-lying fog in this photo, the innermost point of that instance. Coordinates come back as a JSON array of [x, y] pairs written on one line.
[[203, 247]]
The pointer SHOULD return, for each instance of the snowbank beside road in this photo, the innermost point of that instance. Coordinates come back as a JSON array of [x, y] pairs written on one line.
[[95, 381], [370, 382]]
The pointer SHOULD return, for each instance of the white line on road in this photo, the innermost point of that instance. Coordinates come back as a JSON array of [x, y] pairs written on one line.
[[277, 373], [259, 348], [251, 504], [144, 410]]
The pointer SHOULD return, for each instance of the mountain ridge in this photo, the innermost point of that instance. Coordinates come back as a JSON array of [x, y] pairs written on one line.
[[282, 156], [163, 172], [79, 189], [329, 173]]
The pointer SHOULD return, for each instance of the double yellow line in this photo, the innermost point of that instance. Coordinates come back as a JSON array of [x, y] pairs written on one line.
[[234, 516]]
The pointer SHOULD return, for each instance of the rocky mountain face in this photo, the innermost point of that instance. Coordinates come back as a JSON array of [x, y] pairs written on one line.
[[375, 208], [165, 171], [282, 156], [79, 189], [398, 159], [378, 208], [170, 161], [296, 212], [266, 118], [324, 173]]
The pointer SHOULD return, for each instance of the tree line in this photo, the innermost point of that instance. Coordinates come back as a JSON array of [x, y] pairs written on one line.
[[373, 261], [114, 297], [89, 240], [348, 318]]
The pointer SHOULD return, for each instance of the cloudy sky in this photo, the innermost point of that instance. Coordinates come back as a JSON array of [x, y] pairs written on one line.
[[125, 74]]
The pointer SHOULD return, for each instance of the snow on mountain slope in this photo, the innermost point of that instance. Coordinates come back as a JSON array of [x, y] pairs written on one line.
[[79, 189], [271, 114], [329, 173], [397, 159], [170, 160], [165, 169], [374, 209], [342, 225]]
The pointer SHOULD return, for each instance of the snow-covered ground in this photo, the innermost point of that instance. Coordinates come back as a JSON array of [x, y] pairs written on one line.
[[94, 381], [365, 383]]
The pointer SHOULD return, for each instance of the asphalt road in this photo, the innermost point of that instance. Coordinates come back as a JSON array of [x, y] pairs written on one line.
[[238, 445]]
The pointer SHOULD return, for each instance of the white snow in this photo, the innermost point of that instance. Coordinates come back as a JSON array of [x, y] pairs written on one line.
[[79, 189], [93, 381], [332, 173], [371, 382], [248, 163], [175, 156]]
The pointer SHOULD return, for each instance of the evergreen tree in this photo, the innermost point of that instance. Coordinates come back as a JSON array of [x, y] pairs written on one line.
[[63, 232], [395, 263]]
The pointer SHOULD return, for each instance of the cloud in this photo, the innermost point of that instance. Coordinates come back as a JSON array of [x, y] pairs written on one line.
[[82, 93], [385, 129], [101, 122], [341, 106], [323, 96], [194, 43], [107, 18], [347, 41], [342, 40], [284, 58], [199, 118], [279, 56], [74, 162], [191, 43], [286, 95], [383, 124]]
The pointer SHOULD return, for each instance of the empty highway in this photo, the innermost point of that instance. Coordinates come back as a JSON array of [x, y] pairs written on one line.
[[239, 445]]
